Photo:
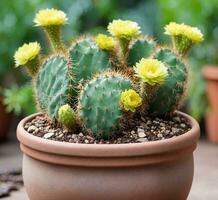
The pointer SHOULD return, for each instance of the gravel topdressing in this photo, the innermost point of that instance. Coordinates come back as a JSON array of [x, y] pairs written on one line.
[[136, 130]]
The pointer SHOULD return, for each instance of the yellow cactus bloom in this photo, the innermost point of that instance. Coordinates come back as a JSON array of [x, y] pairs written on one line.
[[124, 29], [26, 53], [50, 17], [105, 42], [192, 33], [151, 71], [130, 100]]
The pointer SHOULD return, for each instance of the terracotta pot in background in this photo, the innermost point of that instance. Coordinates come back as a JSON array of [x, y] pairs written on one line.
[[211, 75], [159, 170], [5, 121]]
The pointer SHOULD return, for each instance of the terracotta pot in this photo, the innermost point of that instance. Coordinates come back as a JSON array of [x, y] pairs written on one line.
[[211, 75], [159, 170], [5, 121]]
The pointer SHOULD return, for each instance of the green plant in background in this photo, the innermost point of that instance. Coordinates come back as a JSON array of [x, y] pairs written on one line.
[[19, 100], [82, 83]]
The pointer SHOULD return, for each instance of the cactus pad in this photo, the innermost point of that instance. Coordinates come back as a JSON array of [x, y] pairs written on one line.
[[99, 103], [87, 59], [168, 96], [140, 48], [52, 85]]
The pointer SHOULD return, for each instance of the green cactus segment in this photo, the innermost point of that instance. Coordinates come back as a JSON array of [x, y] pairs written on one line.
[[168, 96], [66, 116], [87, 59], [140, 48], [52, 85], [99, 103]]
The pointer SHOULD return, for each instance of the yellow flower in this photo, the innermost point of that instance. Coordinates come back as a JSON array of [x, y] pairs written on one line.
[[26, 53], [124, 29], [49, 17], [151, 71], [130, 100], [105, 42], [192, 33]]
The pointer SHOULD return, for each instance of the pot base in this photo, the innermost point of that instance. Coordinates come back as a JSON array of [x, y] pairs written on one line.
[[167, 181]]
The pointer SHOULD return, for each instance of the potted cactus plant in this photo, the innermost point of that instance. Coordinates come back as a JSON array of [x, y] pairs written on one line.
[[108, 126]]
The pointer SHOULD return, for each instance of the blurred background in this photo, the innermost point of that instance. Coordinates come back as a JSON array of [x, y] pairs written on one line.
[[92, 16]]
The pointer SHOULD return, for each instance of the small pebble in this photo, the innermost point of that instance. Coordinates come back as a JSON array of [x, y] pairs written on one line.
[[174, 130], [162, 124], [142, 140], [143, 119], [160, 135], [81, 134], [48, 135], [86, 141], [183, 125], [32, 129], [61, 135], [177, 119], [73, 136], [141, 134], [140, 130], [148, 122]]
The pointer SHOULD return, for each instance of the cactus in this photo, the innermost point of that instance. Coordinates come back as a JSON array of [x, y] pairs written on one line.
[[154, 82], [141, 47], [169, 95], [99, 103], [53, 84], [87, 59], [67, 116]]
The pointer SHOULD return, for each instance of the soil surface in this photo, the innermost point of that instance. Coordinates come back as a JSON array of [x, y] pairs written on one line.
[[135, 130]]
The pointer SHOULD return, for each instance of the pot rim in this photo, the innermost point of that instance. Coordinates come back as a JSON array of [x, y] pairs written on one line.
[[178, 143], [210, 72]]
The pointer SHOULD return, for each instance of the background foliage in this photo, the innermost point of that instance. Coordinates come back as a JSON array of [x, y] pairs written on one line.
[[91, 15]]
